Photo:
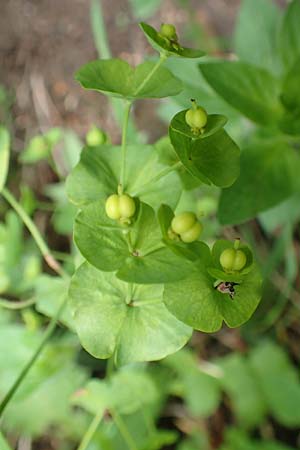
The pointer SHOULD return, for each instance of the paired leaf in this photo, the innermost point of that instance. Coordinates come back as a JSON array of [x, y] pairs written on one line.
[[4, 155], [162, 45], [96, 176], [196, 302], [212, 159], [111, 319], [104, 244], [269, 175], [117, 78], [250, 89], [256, 35]]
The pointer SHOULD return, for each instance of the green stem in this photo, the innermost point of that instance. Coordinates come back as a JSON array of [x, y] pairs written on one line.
[[157, 177], [110, 365], [49, 258], [123, 430], [47, 335], [124, 139], [161, 60], [90, 431], [16, 305]]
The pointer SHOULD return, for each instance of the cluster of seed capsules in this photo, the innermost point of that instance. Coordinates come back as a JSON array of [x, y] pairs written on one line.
[[184, 227]]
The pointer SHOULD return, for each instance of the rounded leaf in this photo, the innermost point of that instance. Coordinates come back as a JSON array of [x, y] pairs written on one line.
[[111, 317]]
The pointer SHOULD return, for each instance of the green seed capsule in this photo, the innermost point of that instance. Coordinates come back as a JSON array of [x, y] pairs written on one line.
[[196, 117], [168, 31], [233, 260], [126, 206], [186, 226], [192, 234], [112, 208], [95, 137], [183, 222], [120, 207]]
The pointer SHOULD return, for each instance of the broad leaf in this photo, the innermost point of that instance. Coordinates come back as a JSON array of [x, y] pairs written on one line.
[[130, 322], [273, 369], [289, 37], [97, 176], [196, 301], [104, 243], [213, 160], [163, 46], [269, 175], [290, 94], [4, 155], [117, 78], [250, 89], [256, 35]]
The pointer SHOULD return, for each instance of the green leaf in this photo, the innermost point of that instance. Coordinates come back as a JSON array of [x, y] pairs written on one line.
[[269, 175], [215, 122], [274, 370], [103, 243], [117, 78], [4, 155], [289, 37], [290, 95], [163, 46], [241, 386], [97, 176], [50, 292], [251, 90], [214, 159], [196, 302], [256, 35], [140, 330], [200, 391], [127, 391]]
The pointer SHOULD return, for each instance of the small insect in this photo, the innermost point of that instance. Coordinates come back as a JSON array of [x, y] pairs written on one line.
[[227, 287]]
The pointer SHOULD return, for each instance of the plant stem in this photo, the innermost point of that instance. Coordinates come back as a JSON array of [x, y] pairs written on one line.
[[110, 367], [161, 60], [16, 305], [49, 258], [90, 431], [157, 177], [124, 139], [123, 430], [47, 335]]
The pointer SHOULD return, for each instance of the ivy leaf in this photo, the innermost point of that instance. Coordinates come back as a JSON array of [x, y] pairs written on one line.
[[96, 176], [204, 307], [215, 122], [269, 175], [103, 243], [117, 78], [289, 39], [163, 46], [214, 159], [251, 90], [140, 330], [4, 155]]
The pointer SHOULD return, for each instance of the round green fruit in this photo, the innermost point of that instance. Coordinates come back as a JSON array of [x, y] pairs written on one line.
[[186, 226], [183, 222], [192, 234], [168, 31], [196, 117], [112, 207], [120, 207], [95, 137], [233, 260]]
